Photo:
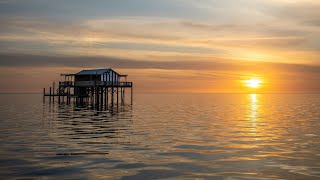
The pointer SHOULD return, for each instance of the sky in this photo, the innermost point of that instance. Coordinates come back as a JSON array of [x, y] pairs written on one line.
[[200, 46]]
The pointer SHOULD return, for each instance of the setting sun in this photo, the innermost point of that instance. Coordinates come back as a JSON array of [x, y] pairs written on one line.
[[253, 83]]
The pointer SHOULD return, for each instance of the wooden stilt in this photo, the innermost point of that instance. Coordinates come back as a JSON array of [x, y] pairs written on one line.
[[124, 95], [68, 95], [107, 102], [117, 96], [121, 96], [131, 94], [112, 96], [44, 93], [101, 97], [59, 91], [97, 98], [53, 86], [69, 98], [50, 95], [105, 97]]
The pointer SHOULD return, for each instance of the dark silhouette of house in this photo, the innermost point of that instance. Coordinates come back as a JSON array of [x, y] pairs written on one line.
[[92, 85]]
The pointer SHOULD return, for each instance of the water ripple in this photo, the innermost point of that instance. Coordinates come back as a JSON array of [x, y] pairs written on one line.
[[163, 136]]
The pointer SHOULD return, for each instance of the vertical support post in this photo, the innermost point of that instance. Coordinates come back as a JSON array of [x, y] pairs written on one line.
[[92, 97], [68, 93], [101, 97], [53, 89], [124, 93], [50, 95], [117, 96], [82, 102], [89, 96], [131, 93], [107, 101], [63, 95], [59, 91], [121, 96], [44, 93], [105, 97], [96, 95], [112, 98], [96, 91]]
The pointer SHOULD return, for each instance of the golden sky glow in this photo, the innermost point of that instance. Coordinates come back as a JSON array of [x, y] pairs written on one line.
[[253, 83], [190, 46]]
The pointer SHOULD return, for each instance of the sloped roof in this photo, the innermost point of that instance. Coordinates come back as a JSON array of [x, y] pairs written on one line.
[[93, 72]]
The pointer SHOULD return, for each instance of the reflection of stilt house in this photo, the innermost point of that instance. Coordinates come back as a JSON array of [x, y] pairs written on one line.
[[98, 86]]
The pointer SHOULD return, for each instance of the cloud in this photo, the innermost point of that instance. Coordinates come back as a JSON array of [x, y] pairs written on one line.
[[272, 38], [27, 61], [304, 13], [24, 60], [141, 37], [79, 9]]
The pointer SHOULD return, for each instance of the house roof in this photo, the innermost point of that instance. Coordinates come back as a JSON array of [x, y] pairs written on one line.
[[93, 72]]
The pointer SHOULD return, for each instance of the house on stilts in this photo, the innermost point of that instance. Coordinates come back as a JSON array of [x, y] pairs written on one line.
[[99, 87]]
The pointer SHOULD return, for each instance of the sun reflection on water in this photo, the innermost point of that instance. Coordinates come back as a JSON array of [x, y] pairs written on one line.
[[253, 107], [253, 111]]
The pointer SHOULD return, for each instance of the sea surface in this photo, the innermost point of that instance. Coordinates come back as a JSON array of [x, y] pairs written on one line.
[[162, 136]]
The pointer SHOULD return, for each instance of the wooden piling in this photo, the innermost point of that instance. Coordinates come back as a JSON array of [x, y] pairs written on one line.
[[59, 92], [53, 89], [68, 95], [112, 96], [121, 99], [131, 94], [107, 102], [50, 94], [105, 97], [97, 97], [101, 97], [124, 95], [117, 96], [44, 93]]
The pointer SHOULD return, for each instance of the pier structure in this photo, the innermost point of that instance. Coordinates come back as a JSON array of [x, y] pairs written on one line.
[[97, 87]]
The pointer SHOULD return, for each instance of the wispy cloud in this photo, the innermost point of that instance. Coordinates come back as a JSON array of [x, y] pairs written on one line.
[[138, 35], [25, 60]]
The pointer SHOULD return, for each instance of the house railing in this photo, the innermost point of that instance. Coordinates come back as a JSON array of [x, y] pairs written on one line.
[[66, 83], [102, 83]]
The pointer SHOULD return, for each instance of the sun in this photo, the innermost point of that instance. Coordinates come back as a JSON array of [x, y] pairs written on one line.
[[253, 83]]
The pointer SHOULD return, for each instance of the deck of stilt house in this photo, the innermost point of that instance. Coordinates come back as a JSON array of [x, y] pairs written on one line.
[[99, 87]]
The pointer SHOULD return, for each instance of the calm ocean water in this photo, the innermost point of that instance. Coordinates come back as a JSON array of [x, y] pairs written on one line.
[[163, 136]]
